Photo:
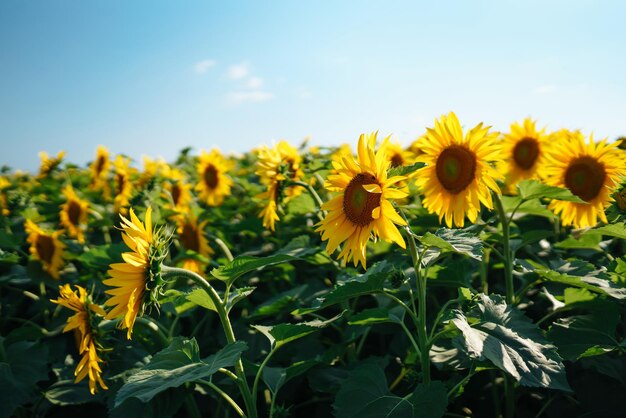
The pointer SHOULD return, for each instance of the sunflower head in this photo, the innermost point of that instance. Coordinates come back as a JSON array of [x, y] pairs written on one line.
[[398, 156], [100, 166], [621, 142], [589, 170], [213, 183], [523, 149], [45, 247], [4, 204], [192, 238], [74, 214], [137, 282], [123, 185], [362, 207], [48, 164], [458, 175], [84, 323]]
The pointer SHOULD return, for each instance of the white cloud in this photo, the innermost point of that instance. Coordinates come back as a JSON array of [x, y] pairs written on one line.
[[203, 66], [255, 96], [238, 71], [545, 89], [254, 82]]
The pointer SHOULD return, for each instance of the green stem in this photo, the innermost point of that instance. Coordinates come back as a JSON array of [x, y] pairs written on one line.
[[155, 327], [224, 248], [314, 195], [192, 407], [508, 261], [509, 396], [224, 395], [226, 325], [257, 378]]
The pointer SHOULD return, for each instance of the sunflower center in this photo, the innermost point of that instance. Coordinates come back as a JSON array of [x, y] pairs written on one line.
[[120, 180], [176, 194], [45, 248], [525, 153], [585, 177], [189, 237], [100, 164], [73, 212], [455, 168], [210, 176], [397, 160], [358, 203]]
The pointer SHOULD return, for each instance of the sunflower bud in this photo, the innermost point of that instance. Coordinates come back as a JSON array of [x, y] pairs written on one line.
[[397, 278]]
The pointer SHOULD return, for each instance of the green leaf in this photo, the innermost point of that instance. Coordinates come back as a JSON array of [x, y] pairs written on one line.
[[276, 377], [404, 170], [376, 316], [528, 207], [99, 258], [461, 241], [617, 230], [175, 365], [282, 334], [506, 337], [297, 249], [365, 394], [201, 298], [534, 189], [66, 392], [594, 284], [585, 242], [237, 295]]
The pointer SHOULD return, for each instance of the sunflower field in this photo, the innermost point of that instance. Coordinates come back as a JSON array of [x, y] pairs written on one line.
[[472, 274]]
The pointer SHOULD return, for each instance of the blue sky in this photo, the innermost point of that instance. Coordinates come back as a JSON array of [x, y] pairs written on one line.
[[152, 77]]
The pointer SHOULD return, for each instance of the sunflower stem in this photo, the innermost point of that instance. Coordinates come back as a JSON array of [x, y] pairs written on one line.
[[314, 195], [224, 248], [508, 259], [226, 325]]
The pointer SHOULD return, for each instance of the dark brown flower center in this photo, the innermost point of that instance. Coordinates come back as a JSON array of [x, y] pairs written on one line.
[[525, 153], [45, 248], [585, 177], [456, 167], [358, 203], [189, 237], [100, 164], [120, 181], [176, 192], [210, 176], [397, 160], [73, 212]]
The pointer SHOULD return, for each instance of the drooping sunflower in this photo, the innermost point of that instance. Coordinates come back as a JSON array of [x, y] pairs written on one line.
[[213, 184], [86, 337], [590, 171], [45, 247], [458, 176], [362, 208], [4, 205], [48, 164], [100, 170], [523, 149], [74, 214], [130, 278], [191, 236], [275, 166], [123, 185]]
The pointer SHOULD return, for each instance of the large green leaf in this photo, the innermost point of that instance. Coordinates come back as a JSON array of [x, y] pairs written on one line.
[[276, 377], [592, 283], [505, 336], [298, 248], [617, 230], [175, 365], [461, 241], [282, 334], [365, 394], [534, 189]]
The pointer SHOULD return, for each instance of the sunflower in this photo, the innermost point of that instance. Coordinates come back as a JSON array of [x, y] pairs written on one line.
[[48, 164], [214, 184], [178, 192], [86, 341], [4, 205], [123, 185], [151, 169], [46, 248], [191, 236], [398, 156], [362, 207], [523, 149], [458, 176], [100, 169], [74, 214], [130, 278], [416, 146], [275, 166], [590, 171]]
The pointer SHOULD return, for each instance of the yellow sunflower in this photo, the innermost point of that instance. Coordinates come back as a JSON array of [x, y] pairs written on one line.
[[4, 205], [178, 191], [100, 170], [123, 185], [590, 171], [398, 156], [362, 207], [48, 164], [129, 278], [191, 236], [458, 176], [86, 342], [151, 169], [74, 214], [214, 184], [274, 167], [416, 146], [523, 150], [46, 248]]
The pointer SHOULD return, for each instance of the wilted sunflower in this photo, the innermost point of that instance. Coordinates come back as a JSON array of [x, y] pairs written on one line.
[[100, 170], [276, 166], [523, 151], [48, 164], [458, 176], [46, 248], [123, 185], [590, 171], [4, 206], [74, 214], [82, 324], [137, 274], [191, 236], [362, 207], [213, 184]]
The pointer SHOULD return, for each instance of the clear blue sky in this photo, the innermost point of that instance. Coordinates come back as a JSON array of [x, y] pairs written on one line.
[[151, 77]]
